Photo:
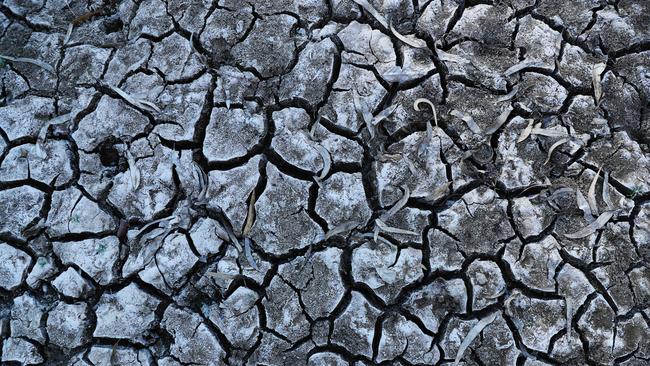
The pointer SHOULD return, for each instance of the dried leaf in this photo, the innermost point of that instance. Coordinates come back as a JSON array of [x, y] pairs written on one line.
[[409, 40], [32, 61], [362, 109], [384, 114], [140, 103], [389, 229], [591, 194], [526, 132], [134, 172], [370, 9], [549, 132], [312, 130], [203, 180], [250, 217], [468, 119], [449, 57], [553, 147], [584, 206], [249, 254], [220, 276], [523, 65], [327, 161], [500, 121], [411, 166], [591, 228], [399, 204], [508, 96], [397, 74], [472, 334], [595, 78], [606, 197], [342, 228]]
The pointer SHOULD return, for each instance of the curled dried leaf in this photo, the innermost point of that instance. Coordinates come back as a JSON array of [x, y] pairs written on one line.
[[409, 40], [327, 161], [592, 227], [469, 120], [416, 106], [553, 147], [472, 334], [526, 132], [591, 194]]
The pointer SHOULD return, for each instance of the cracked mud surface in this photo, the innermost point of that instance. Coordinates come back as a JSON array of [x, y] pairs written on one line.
[[259, 183]]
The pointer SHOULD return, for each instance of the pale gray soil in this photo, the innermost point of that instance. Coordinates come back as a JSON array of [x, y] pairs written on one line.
[[203, 182]]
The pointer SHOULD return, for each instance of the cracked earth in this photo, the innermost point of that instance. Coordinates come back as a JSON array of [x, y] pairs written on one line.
[[324, 182]]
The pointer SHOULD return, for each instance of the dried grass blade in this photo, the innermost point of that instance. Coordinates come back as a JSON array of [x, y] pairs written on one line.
[[583, 205], [327, 161], [526, 132], [68, 34], [523, 65], [399, 204], [553, 147], [409, 40], [472, 334], [32, 61], [203, 179], [591, 194], [389, 229], [606, 197], [591, 228], [370, 9], [468, 119], [500, 121], [595, 78]]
